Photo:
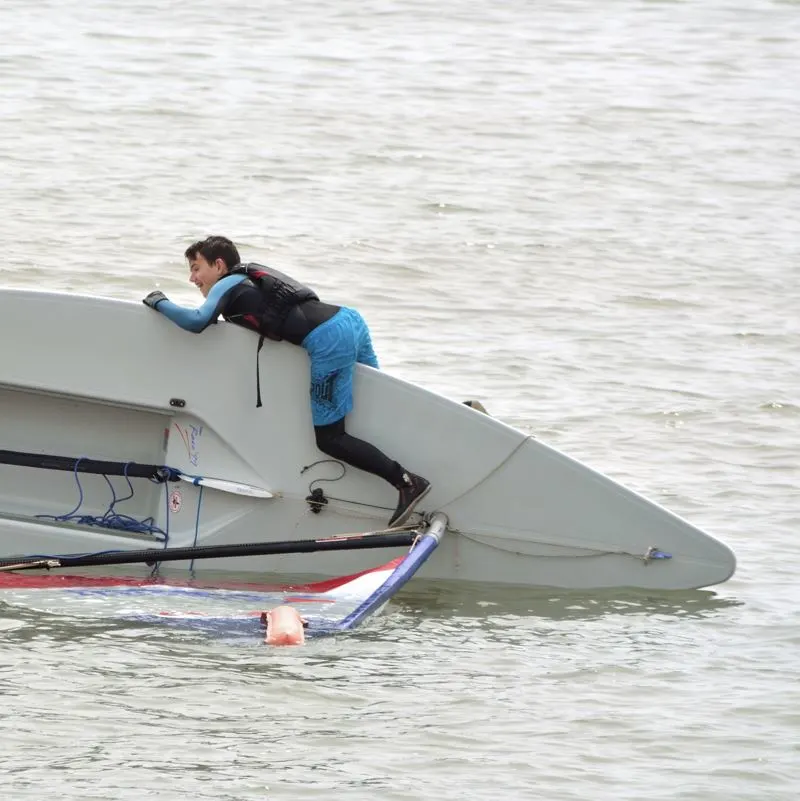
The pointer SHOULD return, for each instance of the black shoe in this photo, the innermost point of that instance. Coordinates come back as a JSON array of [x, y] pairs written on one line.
[[414, 489]]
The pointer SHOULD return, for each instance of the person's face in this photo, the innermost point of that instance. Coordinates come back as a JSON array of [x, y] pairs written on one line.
[[204, 275]]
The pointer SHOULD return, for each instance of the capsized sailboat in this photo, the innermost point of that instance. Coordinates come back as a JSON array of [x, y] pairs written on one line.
[[117, 432]]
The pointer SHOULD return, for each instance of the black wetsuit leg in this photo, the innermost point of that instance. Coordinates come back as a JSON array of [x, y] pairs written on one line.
[[336, 442]]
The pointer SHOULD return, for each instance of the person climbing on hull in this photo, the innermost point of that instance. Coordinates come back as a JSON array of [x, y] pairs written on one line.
[[275, 306]]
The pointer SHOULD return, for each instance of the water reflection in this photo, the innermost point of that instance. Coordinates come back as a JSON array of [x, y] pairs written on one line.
[[439, 600]]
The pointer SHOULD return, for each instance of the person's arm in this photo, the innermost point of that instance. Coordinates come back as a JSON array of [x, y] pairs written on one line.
[[195, 320]]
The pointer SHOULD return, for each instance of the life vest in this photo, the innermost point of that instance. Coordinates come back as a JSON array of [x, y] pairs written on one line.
[[281, 293]]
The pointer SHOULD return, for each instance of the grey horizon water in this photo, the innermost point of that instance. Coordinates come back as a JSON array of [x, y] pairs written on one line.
[[583, 215]]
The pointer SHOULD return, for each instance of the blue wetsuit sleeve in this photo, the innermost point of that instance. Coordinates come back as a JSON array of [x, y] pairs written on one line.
[[197, 320]]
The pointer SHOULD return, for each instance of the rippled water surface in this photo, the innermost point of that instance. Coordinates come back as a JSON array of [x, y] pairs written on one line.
[[584, 215]]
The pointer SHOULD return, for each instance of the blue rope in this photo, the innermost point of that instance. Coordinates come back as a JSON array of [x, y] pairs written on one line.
[[196, 526], [156, 567], [114, 520], [111, 519], [166, 513]]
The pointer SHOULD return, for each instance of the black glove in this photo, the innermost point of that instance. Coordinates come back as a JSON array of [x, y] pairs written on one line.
[[154, 298]]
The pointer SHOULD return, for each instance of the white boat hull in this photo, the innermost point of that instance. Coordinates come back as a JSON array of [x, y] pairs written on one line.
[[110, 380]]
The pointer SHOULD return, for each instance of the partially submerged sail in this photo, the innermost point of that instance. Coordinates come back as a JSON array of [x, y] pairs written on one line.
[[276, 615]]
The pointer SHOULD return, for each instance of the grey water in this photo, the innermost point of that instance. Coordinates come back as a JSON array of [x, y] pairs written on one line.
[[584, 215]]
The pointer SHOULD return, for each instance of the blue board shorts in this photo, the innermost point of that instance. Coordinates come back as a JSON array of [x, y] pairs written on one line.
[[334, 348]]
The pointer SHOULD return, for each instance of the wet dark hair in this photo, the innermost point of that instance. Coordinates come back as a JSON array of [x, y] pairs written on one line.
[[212, 248]]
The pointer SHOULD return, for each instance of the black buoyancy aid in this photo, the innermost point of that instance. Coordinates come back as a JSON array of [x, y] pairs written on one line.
[[281, 293]]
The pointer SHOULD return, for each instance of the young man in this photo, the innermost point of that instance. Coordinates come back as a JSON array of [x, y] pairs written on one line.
[[336, 337]]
